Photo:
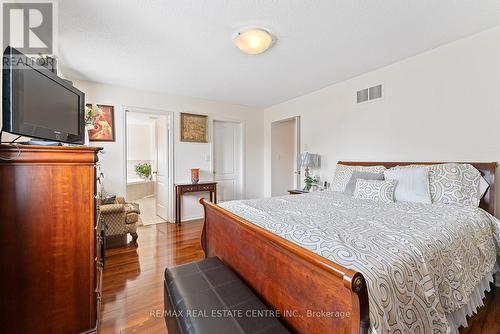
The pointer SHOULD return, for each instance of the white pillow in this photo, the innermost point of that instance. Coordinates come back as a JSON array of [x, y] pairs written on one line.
[[413, 184]]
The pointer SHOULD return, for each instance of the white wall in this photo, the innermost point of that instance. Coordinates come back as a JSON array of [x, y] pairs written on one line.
[[442, 105], [141, 146], [283, 157], [140, 138], [186, 155]]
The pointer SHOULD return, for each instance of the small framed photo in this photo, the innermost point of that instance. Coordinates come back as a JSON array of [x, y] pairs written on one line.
[[104, 124], [194, 128]]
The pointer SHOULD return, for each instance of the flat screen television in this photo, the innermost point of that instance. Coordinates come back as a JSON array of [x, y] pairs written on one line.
[[38, 104]]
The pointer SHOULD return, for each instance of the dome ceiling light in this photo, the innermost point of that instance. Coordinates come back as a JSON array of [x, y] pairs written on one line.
[[253, 41]]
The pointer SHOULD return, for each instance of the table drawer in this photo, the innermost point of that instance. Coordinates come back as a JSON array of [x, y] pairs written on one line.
[[193, 188], [206, 187]]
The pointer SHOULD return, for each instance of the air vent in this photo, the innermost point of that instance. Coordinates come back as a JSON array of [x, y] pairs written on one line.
[[362, 95], [369, 94]]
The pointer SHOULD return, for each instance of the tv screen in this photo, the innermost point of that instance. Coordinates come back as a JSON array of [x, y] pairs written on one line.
[[39, 104]]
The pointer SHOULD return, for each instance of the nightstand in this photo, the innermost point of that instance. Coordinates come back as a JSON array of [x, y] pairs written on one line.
[[297, 192]]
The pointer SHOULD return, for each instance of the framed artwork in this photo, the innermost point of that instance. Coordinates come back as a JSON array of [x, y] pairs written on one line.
[[194, 128], [104, 127]]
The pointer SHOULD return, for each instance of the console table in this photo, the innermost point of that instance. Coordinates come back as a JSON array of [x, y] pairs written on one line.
[[181, 189]]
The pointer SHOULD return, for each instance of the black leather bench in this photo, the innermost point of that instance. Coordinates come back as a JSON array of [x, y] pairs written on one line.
[[207, 297]]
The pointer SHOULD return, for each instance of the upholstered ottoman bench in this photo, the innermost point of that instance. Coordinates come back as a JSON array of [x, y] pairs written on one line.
[[207, 297]]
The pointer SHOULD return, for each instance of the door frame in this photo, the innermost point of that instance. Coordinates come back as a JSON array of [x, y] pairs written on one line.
[[170, 172], [298, 151], [242, 125]]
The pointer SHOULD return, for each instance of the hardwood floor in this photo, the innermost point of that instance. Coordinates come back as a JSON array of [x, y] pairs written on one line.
[[133, 281], [133, 277], [487, 320]]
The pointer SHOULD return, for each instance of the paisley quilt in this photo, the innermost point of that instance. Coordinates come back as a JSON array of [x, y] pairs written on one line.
[[421, 261]]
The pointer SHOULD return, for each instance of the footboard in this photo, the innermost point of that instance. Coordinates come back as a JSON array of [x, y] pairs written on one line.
[[311, 293]]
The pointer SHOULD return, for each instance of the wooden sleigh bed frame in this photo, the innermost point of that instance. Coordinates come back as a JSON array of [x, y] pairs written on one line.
[[311, 293]]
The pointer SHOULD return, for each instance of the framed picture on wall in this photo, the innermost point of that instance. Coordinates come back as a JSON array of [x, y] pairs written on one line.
[[194, 128], [104, 124]]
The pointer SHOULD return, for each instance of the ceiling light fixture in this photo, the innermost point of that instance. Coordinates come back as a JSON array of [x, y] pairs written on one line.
[[253, 41]]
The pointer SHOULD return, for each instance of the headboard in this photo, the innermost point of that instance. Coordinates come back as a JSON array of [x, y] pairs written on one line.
[[487, 170]]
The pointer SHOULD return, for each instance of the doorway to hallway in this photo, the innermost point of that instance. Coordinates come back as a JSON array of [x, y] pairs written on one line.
[[285, 152]]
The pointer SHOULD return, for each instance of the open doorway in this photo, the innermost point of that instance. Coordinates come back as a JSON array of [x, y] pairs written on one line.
[[285, 150], [148, 176]]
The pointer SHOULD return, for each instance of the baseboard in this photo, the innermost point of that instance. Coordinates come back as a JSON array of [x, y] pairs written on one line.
[[186, 219]]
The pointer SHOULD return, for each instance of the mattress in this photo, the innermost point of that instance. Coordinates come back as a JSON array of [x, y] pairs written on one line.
[[421, 261]]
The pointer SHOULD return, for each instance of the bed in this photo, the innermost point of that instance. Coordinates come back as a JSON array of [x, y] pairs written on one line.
[[406, 267]]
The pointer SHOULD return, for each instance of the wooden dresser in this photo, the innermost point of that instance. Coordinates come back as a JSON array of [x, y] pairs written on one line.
[[51, 239]]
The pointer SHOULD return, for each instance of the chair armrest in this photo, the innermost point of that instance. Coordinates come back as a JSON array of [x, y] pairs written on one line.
[[131, 218], [132, 208], [120, 200], [112, 208]]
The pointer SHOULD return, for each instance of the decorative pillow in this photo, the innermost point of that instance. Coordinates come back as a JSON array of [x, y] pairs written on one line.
[[351, 185], [381, 191], [110, 199], [343, 174], [454, 183], [413, 184]]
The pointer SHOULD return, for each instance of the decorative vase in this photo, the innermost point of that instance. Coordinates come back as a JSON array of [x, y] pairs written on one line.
[[195, 175]]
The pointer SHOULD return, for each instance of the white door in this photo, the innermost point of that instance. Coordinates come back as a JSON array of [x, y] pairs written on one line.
[[227, 160], [161, 185], [285, 150]]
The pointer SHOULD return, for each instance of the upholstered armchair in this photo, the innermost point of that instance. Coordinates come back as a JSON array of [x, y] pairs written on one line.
[[121, 218]]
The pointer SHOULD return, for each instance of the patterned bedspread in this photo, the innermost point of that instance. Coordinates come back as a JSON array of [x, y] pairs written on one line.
[[420, 261]]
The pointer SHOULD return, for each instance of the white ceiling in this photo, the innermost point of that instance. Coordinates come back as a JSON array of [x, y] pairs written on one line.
[[185, 47]]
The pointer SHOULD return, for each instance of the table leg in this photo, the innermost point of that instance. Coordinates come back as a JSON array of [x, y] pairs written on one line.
[[177, 209]]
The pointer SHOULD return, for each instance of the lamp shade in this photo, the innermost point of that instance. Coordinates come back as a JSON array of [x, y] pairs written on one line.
[[309, 160]]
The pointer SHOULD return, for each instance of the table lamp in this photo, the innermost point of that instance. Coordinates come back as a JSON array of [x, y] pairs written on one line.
[[309, 160]]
